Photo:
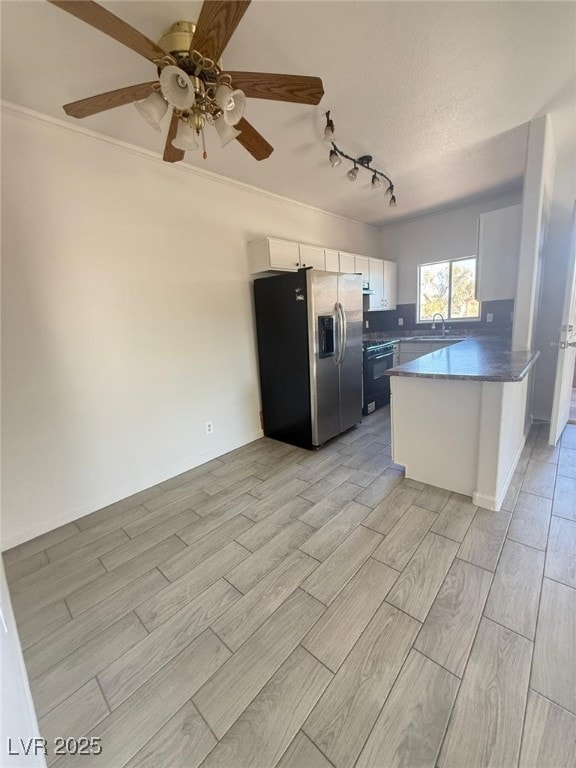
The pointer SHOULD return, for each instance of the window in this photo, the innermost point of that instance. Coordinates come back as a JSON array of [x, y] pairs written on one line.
[[448, 287]]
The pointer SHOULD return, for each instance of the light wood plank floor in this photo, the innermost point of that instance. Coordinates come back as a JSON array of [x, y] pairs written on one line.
[[279, 607]]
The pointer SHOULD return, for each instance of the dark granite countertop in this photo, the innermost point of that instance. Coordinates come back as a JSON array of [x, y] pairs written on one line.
[[482, 358]]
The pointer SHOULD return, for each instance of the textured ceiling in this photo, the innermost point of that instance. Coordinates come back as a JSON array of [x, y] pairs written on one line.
[[439, 93]]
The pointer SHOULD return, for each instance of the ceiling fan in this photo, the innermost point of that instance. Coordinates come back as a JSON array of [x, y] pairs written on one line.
[[190, 81]]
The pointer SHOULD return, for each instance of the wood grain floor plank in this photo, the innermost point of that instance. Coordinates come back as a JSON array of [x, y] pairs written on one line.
[[26, 566], [331, 504], [403, 540], [512, 493], [257, 605], [260, 533], [549, 735], [564, 504], [450, 627], [339, 567], [567, 462], [107, 584], [203, 548], [553, 668], [486, 724], [530, 520], [201, 528], [184, 740], [192, 474], [379, 488], [385, 516], [77, 714], [455, 518], [44, 621], [264, 730], [158, 609], [270, 503], [276, 485], [561, 552], [483, 542], [333, 636], [326, 539], [128, 729], [418, 584], [253, 568], [409, 730], [112, 511], [341, 721], [228, 498], [302, 753], [539, 479], [321, 488], [61, 680], [327, 465], [144, 541], [513, 599], [154, 519], [227, 694], [433, 498], [40, 543], [55, 647], [129, 671]]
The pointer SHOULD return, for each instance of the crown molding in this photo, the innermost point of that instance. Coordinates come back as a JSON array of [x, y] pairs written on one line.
[[30, 114]]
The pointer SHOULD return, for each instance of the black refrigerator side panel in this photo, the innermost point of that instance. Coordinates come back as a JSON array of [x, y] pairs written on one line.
[[282, 331]]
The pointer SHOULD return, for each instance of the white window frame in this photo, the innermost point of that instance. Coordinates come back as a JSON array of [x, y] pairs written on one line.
[[450, 262]]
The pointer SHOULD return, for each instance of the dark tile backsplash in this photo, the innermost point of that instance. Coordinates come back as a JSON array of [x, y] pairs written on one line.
[[388, 321]]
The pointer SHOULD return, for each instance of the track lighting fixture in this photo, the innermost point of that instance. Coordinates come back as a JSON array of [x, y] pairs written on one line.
[[364, 161], [329, 134]]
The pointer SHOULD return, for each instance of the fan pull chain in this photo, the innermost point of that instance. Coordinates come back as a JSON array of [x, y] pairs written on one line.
[[204, 153]]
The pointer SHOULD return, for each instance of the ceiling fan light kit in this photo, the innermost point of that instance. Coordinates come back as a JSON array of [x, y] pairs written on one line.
[[191, 83], [364, 161]]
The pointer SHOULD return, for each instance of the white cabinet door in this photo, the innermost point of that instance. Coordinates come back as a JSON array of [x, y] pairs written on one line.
[[332, 261], [498, 249], [376, 299], [347, 262], [390, 284], [362, 264], [283, 254], [312, 256]]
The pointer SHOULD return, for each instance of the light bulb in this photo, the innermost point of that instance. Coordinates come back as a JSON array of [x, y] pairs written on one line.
[[334, 158], [353, 174], [376, 183], [390, 190]]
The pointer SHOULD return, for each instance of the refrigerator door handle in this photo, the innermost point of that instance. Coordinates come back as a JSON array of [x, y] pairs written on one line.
[[339, 326], [344, 333]]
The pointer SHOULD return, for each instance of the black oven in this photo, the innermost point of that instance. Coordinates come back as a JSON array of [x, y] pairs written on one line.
[[378, 358]]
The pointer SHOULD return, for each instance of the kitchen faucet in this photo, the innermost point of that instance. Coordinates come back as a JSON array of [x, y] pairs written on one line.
[[437, 314]]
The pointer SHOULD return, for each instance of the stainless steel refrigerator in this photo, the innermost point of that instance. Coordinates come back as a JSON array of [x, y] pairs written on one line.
[[309, 328]]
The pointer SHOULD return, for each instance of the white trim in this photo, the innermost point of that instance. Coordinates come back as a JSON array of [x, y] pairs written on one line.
[[495, 503], [16, 109], [121, 493]]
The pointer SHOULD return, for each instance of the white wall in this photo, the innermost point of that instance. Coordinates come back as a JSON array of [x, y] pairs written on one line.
[[450, 234], [127, 317], [17, 715]]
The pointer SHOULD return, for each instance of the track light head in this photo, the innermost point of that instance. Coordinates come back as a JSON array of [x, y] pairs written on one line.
[[329, 130], [376, 183], [393, 201], [353, 173], [334, 157]]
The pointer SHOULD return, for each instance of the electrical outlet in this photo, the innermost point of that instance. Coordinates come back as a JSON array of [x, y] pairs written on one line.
[[489, 317], [209, 427], [367, 324], [400, 321]]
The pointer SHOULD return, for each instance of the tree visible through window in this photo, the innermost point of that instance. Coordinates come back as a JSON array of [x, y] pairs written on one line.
[[448, 287]]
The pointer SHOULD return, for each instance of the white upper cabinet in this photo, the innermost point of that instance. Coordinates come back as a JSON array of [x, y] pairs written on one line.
[[383, 277], [270, 253], [498, 250], [332, 260], [362, 264], [347, 262], [312, 256]]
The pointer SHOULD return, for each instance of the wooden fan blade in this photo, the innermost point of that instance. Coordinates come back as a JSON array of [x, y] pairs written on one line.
[[171, 154], [263, 85], [100, 18], [109, 100], [253, 141], [216, 24]]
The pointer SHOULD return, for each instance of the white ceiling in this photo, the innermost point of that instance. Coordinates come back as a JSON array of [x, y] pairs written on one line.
[[438, 92]]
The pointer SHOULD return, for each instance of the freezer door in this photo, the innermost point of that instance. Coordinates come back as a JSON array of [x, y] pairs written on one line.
[[324, 335], [350, 368]]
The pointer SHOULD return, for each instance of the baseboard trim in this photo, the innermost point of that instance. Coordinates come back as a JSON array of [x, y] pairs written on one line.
[[103, 500]]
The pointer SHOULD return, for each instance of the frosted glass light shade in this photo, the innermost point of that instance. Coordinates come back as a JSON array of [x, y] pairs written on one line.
[[177, 88], [232, 104], [185, 138], [227, 133], [152, 108]]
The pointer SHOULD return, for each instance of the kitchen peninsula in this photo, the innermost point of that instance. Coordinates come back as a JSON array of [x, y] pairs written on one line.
[[459, 417]]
